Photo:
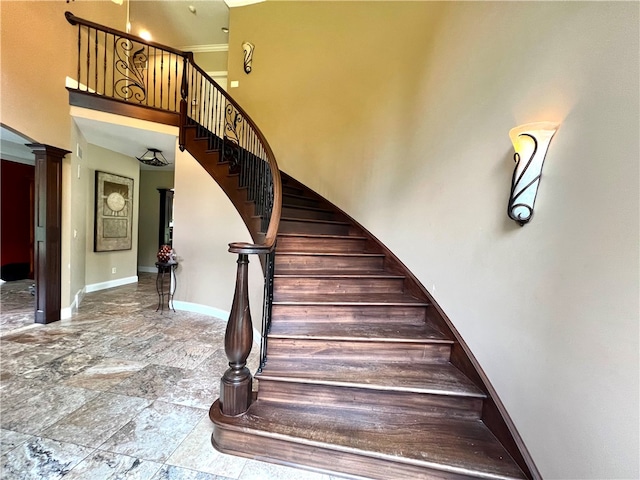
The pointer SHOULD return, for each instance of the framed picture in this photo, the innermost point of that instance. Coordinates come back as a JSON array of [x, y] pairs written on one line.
[[114, 212]]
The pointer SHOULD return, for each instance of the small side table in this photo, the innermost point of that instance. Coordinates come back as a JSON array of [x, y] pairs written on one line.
[[165, 268]]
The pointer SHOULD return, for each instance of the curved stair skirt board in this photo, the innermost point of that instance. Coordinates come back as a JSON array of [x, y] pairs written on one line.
[[212, 312]]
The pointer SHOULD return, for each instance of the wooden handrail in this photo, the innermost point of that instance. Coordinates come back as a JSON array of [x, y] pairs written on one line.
[[73, 20]]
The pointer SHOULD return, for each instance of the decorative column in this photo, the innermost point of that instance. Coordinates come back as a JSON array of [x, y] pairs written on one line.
[[47, 216]]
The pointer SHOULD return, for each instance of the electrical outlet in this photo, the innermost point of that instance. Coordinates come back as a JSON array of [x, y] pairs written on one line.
[[235, 83], [113, 270]]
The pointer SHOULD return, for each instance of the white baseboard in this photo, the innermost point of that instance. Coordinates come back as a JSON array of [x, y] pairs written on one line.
[[147, 269], [94, 287], [203, 309], [211, 311], [67, 312]]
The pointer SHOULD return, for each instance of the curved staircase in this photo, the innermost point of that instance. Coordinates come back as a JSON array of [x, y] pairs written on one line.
[[358, 379], [362, 374]]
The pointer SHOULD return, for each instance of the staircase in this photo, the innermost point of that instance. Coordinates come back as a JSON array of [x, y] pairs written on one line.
[[362, 375], [357, 379]]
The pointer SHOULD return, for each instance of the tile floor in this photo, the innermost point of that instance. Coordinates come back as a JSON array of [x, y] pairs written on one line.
[[116, 392]]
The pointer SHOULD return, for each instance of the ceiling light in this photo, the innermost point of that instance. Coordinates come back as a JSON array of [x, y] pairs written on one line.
[[192, 9], [225, 29], [153, 157]]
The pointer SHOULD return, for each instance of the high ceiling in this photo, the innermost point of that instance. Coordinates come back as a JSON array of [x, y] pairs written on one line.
[[172, 23]]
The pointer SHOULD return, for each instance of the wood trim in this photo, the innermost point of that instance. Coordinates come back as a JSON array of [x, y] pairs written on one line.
[[92, 101], [48, 219]]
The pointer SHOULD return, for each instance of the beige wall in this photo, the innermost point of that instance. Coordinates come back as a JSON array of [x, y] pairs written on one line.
[[211, 61], [399, 113], [150, 182], [38, 52], [99, 265], [205, 222]]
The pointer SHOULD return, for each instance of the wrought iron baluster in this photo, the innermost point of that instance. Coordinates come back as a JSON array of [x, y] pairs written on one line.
[[96, 61], [88, 56], [104, 69], [161, 77], [169, 83], [79, 50]]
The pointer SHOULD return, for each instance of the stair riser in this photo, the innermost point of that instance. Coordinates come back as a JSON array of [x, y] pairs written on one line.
[[328, 262], [303, 213], [369, 351], [292, 190], [413, 315], [293, 226], [347, 464], [364, 399], [293, 244], [337, 285], [300, 201]]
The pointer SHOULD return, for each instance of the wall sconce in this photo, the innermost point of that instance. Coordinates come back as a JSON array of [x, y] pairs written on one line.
[[248, 56], [153, 157], [530, 142]]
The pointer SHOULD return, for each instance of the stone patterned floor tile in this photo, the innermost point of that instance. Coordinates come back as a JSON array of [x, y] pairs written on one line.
[[43, 409], [184, 354], [106, 374], [153, 381], [97, 420], [254, 470], [155, 432], [41, 458], [198, 389], [10, 440], [107, 465], [196, 453], [16, 359], [61, 368], [171, 472]]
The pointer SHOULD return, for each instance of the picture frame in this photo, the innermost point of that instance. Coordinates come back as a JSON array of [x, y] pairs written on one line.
[[113, 221]]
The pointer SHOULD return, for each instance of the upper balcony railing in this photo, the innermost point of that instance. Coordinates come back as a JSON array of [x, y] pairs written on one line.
[[121, 67]]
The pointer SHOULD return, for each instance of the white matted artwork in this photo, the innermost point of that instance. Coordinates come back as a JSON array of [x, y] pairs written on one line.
[[114, 212]]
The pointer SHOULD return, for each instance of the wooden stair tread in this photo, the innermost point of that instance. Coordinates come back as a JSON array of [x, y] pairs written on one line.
[[313, 220], [313, 209], [438, 379], [332, 254], [390, 332], [348, 299], [463, 447], [321, 236], [337, 274]]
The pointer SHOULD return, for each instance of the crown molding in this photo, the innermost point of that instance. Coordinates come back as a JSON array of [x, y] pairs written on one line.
[[214, 47]]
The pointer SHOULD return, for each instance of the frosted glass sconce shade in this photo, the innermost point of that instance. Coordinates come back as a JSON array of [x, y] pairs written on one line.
[[530, 142]]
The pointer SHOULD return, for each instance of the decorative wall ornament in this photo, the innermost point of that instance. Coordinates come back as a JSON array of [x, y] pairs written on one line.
[[113, 213], [248, 56], [530, 142]]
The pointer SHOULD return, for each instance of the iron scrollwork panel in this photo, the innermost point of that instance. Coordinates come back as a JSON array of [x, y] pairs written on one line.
[[131, 62], [233, 129]]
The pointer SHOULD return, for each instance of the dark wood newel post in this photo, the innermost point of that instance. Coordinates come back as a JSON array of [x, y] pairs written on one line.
[[48, 218], [235, 386]]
